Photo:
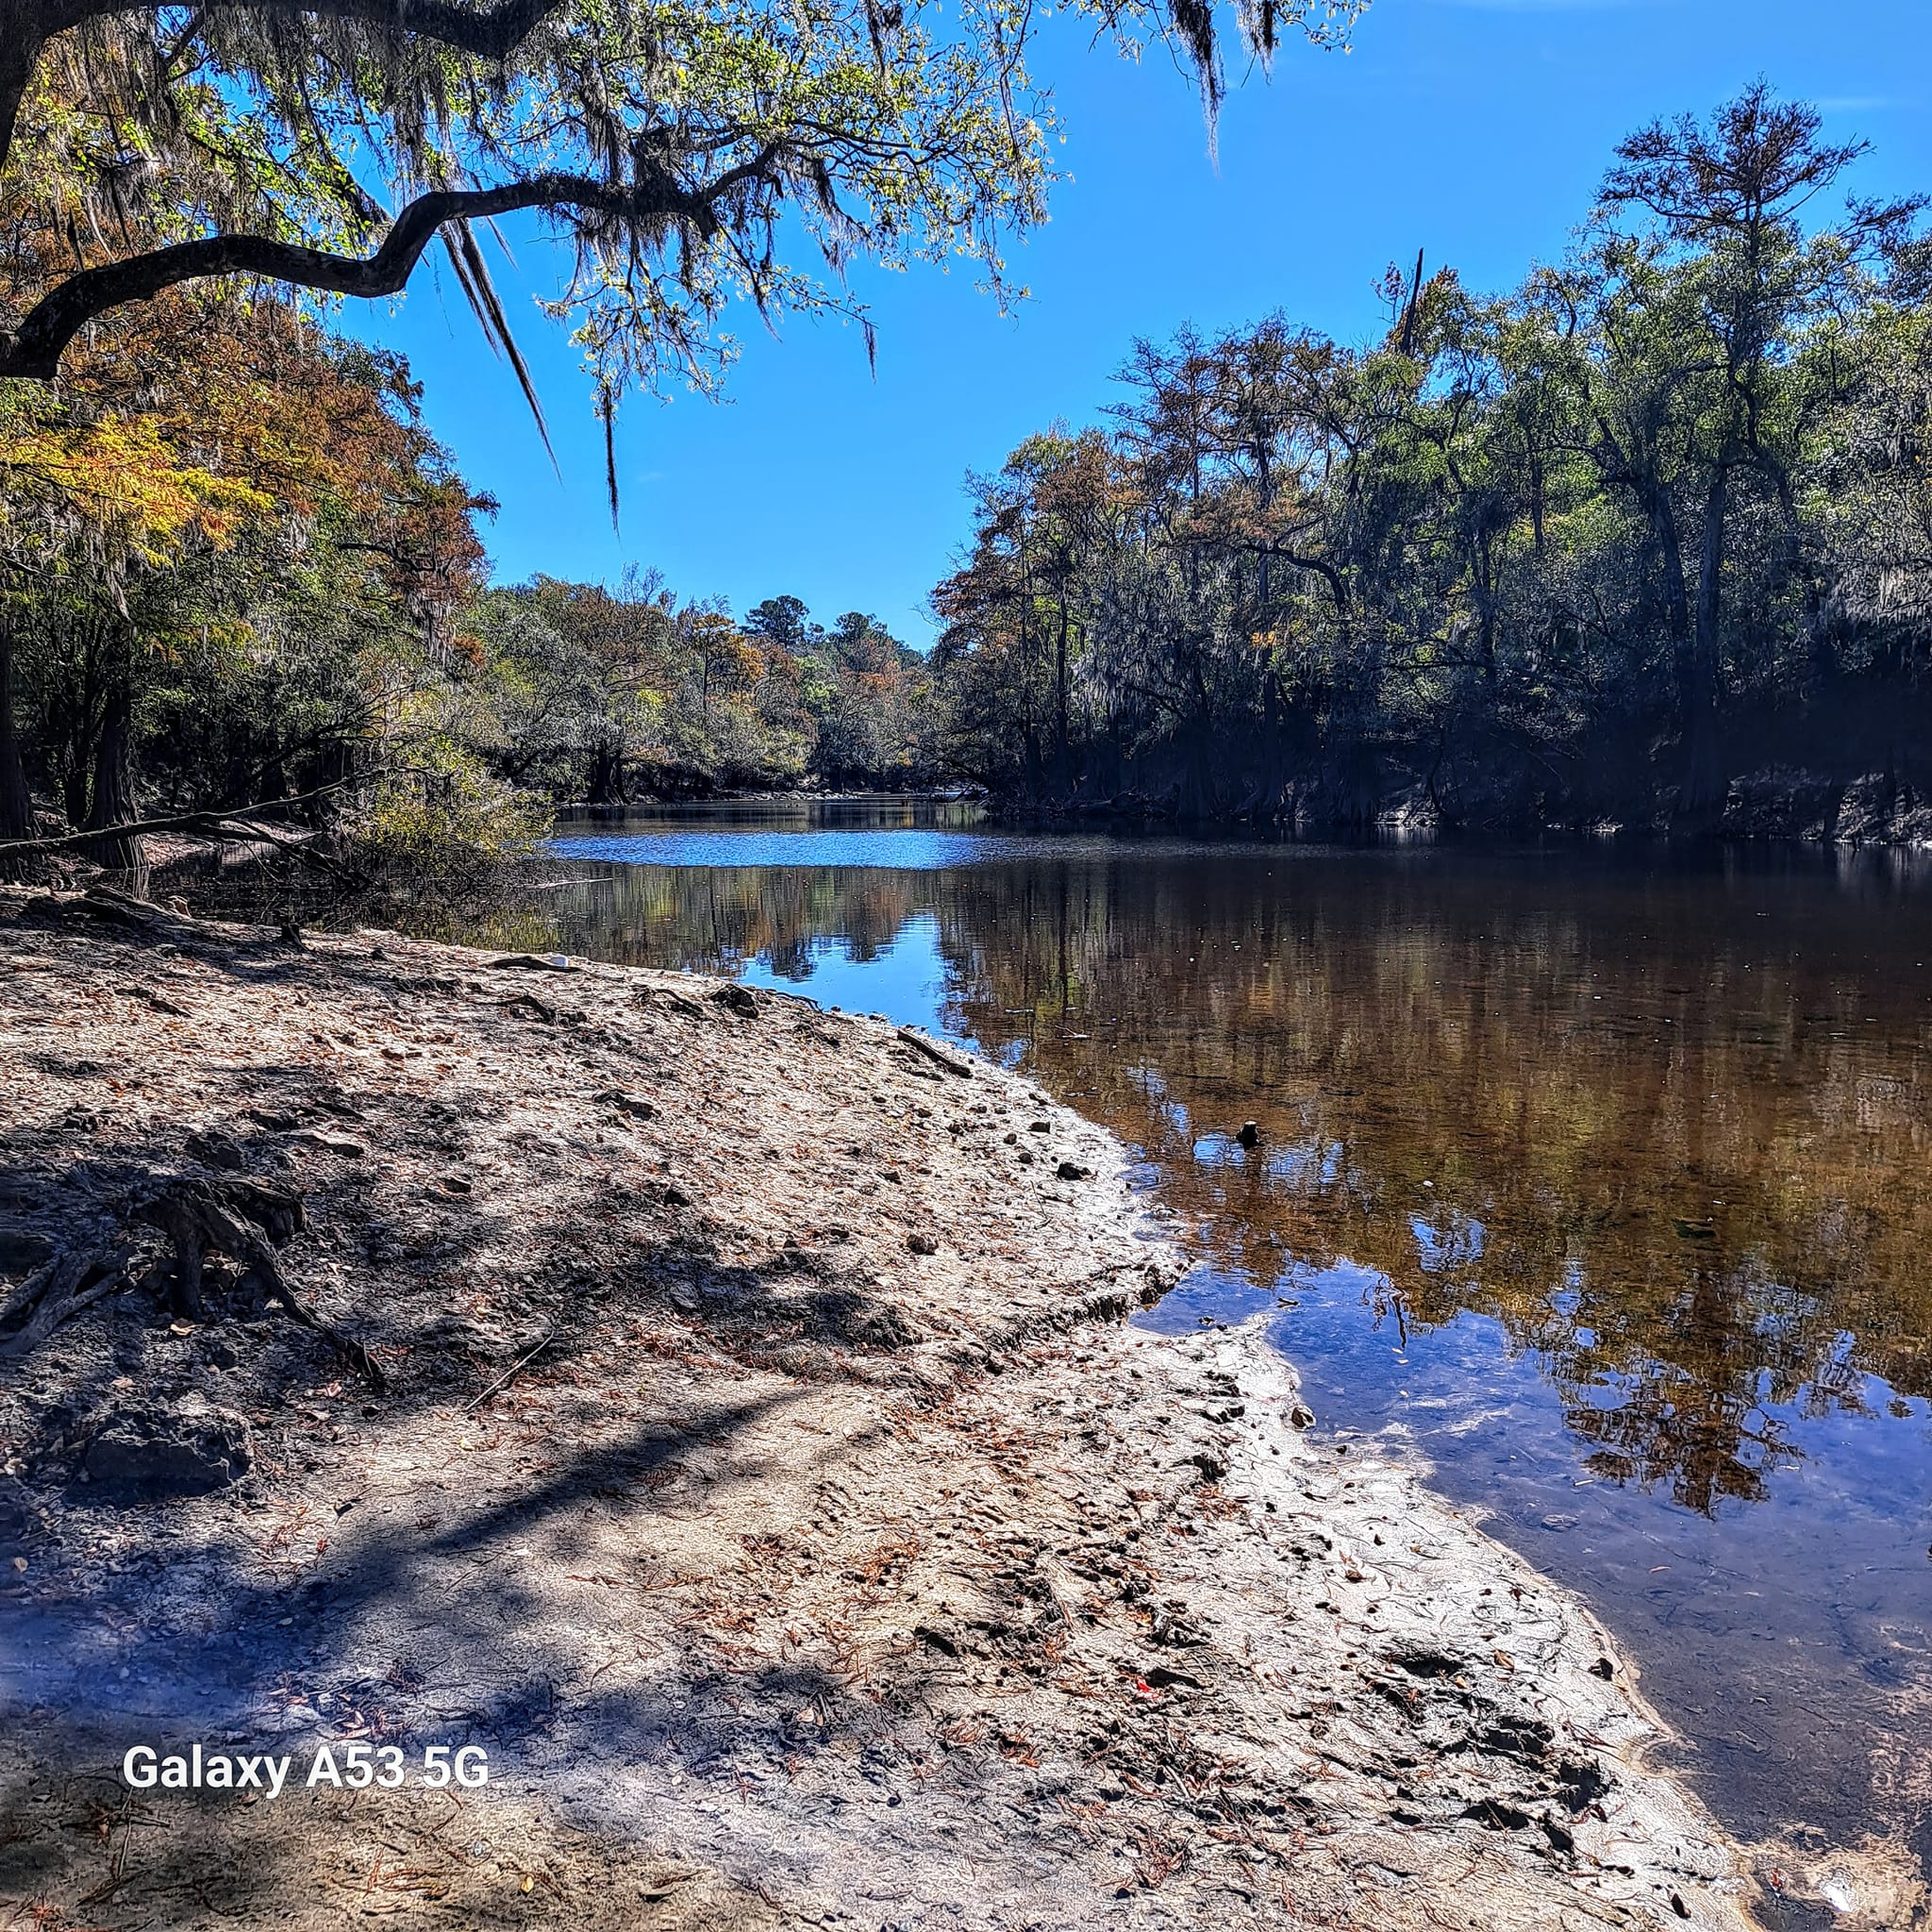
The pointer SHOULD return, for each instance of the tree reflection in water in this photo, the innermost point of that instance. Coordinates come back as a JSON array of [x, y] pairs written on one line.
[[1667, 1124], [1605, 1178]]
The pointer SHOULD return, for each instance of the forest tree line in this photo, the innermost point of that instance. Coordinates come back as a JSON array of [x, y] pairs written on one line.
[[1649, 531], [610, 697], [235, 568]]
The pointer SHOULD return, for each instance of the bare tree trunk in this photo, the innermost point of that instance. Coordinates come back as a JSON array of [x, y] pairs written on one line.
[[16, 806], [1711, 586], [601, 786], [1701, 777], [1823, 645], [21, 37], [1061, 748], [114, 788], [1663, 522]]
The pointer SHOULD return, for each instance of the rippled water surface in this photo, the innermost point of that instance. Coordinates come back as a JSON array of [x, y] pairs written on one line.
[[1601, 1177]]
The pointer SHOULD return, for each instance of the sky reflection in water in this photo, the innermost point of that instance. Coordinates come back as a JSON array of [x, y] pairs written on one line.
[[1601, 1179]]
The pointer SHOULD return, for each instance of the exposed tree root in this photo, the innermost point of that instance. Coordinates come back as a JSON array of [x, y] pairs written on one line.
[[245, 1220], [50, 1298]]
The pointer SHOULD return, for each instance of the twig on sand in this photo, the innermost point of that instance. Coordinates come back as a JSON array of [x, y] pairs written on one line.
[[921, 1044], [529, 1003], [508, 1375]]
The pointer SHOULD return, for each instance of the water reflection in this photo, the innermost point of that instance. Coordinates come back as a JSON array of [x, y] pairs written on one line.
[[1671, 1131], [1603, 1178]]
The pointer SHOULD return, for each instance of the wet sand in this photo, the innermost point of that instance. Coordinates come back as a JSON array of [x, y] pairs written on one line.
[[764, 1473]]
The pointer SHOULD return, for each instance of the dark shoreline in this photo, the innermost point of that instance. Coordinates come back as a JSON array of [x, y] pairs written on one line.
[[1773, 805]]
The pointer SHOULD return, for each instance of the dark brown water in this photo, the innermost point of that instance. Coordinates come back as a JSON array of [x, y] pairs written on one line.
[[1600, 1179]]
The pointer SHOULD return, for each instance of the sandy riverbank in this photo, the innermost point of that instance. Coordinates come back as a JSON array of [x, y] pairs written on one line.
[[831, 1554]]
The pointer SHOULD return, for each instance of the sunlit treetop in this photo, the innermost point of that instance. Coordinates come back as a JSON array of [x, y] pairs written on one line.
[[690, 153]]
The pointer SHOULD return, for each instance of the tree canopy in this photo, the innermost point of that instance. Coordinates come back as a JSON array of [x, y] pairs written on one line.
[[228, 537], [1594, 548], [690, 152], [1647, 537]]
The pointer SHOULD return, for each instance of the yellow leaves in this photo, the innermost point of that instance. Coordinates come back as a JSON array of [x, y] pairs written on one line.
[[725, 652], [114, 492], [188, 422]]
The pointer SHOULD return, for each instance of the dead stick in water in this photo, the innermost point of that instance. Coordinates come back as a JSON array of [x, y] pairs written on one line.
[[508, 1375]]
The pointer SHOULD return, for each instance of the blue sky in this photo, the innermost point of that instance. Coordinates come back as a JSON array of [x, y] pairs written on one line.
[[1476, 129]]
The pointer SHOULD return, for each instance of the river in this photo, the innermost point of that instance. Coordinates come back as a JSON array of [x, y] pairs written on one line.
[[1596, 1178]]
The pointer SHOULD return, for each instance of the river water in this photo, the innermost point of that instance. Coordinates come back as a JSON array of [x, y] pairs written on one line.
[[1599, 1178]]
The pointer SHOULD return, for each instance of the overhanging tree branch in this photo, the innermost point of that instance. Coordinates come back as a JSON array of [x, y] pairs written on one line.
[[490, 34], [33, 352]]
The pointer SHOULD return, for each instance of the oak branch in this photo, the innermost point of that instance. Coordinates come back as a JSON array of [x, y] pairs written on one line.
[[33, 350]]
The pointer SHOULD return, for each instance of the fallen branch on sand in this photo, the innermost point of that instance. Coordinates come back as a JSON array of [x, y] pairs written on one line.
[[222, 824], [919, 1043]]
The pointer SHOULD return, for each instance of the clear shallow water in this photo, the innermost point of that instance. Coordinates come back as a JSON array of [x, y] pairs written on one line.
[[1603, 1179]]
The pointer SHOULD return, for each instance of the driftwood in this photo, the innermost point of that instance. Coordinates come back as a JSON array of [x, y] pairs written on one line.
[[104, 902], [919, 1043], [662, 995], [22, 1300], [222, 825], [529, 1003], [245, 1220]]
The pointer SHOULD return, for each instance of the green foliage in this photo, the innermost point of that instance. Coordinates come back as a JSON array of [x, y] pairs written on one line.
[[226, 576], [445, 818], [1590, 549], [589, 695], [230, 561]]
